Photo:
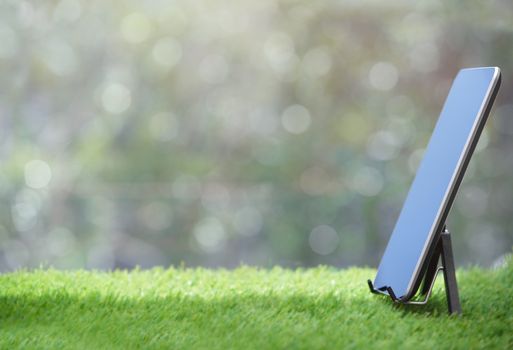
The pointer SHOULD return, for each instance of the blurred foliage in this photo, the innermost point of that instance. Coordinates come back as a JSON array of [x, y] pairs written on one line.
[[218, 132]]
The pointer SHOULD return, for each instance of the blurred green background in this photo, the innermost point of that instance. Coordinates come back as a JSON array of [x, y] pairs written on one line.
[[216, 133]]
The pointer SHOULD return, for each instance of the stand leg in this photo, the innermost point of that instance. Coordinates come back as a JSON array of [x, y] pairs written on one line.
[[451, 286], [432, 269]]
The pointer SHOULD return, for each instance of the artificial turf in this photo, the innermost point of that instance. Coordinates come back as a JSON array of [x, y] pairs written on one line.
[[245, 308]]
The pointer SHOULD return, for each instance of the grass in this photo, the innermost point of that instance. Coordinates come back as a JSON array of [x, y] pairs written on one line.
[[246, 308]]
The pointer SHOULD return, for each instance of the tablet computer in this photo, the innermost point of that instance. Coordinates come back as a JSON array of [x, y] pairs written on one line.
[[436, 182]]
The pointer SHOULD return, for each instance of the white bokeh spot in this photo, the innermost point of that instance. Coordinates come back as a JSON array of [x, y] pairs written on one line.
[[323, 240], [38, 174], [383, 76], [116, 98], [296, 119]]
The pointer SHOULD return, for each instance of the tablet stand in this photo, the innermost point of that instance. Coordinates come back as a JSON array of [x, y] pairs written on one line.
[[443, 249]]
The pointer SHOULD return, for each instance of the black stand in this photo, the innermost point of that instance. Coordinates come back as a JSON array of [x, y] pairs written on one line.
[[443, 249]]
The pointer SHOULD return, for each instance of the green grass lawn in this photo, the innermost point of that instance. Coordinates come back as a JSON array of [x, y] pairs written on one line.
[[245, 308]]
